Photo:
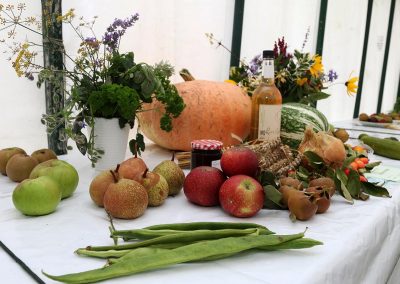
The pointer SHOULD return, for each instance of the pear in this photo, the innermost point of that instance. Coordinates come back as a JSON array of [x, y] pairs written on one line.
[[20, 166], [157, 188], [5, 156], [173, 174], [99, 185], [133, 168], [125, 198], [43, 155]]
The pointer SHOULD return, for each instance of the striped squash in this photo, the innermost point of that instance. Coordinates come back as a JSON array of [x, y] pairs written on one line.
[[295, 117]]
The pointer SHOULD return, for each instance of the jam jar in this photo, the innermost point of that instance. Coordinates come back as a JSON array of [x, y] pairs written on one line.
[[205, 152]]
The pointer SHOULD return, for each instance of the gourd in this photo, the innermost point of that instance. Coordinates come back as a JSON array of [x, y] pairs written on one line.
[[294, 119], [382, 146], [214, 110]]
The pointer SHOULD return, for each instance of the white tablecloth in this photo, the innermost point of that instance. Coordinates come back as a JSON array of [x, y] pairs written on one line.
[[361, 241]]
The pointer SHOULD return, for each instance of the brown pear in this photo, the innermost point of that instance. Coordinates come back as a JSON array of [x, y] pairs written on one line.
[[125, 199], [132, 168], [157, 188], [19, 167], [173, 174], [99, 185], [43, 155], [6, 154]]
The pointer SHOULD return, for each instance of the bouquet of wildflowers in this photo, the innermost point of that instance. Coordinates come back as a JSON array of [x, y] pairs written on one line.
[[300, 76], [103, 81]]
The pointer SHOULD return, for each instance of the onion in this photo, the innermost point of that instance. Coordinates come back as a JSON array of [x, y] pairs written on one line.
[[329, 148]]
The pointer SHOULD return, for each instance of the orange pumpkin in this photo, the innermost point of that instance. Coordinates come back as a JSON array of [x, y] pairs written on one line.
[[214, 110]]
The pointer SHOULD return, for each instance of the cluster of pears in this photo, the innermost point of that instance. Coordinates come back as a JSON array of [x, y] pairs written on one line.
[[18, 165], [128, 190]]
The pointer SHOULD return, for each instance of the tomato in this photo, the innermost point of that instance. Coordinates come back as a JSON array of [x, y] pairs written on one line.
[[354, 166], [347, 171], [360, 164], [363, 179], [365, 160], [358, 148]]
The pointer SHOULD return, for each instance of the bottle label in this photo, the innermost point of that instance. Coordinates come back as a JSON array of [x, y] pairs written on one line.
[[268, 69], [269, 122]]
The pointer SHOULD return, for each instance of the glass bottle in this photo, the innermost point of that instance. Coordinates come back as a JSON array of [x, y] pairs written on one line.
[[266, 104]]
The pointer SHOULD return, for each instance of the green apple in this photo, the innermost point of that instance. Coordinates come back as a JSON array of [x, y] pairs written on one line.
[[36, 197], [64, 174]]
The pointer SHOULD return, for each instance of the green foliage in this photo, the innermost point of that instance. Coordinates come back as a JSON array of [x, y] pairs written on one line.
[[114, 101]]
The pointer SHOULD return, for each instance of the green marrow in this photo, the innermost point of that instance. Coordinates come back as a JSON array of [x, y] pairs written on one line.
[[382, 146]]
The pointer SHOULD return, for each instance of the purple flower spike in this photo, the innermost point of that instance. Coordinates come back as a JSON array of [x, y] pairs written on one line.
[[116, 30]]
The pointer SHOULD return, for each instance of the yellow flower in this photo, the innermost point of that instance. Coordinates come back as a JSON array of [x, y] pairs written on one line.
[[301, 81], [317, 67], [67, 17], [230, 82], [351, 85]]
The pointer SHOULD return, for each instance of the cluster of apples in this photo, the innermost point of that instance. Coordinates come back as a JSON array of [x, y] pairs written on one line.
[[126, 192], [43, 179], [234, 188]]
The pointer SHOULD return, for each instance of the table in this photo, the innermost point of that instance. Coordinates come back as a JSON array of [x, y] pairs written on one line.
[[360, 240]]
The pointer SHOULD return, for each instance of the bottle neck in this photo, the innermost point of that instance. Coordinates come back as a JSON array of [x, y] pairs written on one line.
[[268, 71]]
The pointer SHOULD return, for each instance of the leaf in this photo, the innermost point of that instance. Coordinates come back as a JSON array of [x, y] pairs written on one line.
[[137, 146], [342, 179], [353, 184], [313, 158], [273, 198], [302, 173], [267, 178], [370, 166], [348, 161], [374, 189]]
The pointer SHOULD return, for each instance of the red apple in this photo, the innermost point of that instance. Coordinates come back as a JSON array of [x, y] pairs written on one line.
[[202, 184], [241, 196], [239, 161]]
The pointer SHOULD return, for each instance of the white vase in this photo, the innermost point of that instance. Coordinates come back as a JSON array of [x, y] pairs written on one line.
[[112, 139]]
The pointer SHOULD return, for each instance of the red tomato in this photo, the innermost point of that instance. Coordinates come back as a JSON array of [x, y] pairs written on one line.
[[347, 171], [354, 166], [360, 164], [365, 160], [363, 179]]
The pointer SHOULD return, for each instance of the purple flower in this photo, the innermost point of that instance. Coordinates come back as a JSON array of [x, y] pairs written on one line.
[[331, 76], [29, 75], [255, 65], [116, 30]]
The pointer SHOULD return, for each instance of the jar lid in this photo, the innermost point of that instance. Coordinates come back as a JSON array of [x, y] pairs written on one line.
[[207, 144]]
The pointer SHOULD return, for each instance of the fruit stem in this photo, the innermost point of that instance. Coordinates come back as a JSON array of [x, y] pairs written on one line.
[[173, 156], [114, 176], [117, 168], [145, 172]]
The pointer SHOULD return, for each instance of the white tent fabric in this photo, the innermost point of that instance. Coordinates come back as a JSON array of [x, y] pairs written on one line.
[[174, 30]]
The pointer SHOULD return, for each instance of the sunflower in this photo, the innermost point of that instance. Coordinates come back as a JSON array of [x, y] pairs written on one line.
[[351, 86], [317, 67]]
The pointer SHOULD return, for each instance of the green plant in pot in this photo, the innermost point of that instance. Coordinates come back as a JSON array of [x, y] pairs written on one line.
[[103, 82]]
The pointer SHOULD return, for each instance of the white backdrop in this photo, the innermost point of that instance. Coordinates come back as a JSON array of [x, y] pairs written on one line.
[[174, 30]]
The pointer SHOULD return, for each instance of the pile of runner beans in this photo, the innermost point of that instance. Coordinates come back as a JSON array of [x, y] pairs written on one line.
[[163, 245]]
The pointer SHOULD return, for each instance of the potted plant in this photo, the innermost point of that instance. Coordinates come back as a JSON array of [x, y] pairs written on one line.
[[107, 88]]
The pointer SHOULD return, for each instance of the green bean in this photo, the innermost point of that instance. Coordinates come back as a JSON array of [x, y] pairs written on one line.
[[119, 253], [204, 226], [293, 244], [102, 254], [144, 234], [164, 258], [189, 236]]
